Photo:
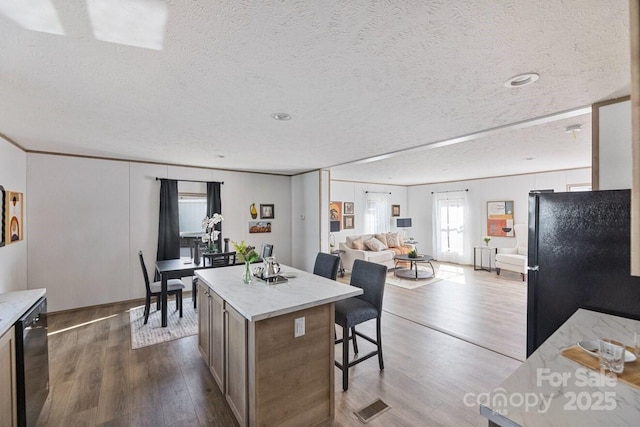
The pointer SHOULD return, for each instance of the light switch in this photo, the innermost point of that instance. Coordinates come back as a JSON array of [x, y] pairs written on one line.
[[298, 327]]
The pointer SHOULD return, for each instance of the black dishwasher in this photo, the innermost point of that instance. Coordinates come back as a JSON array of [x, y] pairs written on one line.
[[32, 363]]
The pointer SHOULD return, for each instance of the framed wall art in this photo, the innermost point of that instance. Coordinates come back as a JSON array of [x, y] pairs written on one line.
[[266, 212], [259, 227], [335, 211], [13, 208], [500, 218], [348, 222], [395, 210], [348, 208]]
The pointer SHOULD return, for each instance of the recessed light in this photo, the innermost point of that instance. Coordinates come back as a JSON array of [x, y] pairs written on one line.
[[220, 156], [528, 158], [281, 116], [522, 80]]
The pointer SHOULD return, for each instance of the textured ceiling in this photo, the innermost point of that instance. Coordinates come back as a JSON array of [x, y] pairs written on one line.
[[359, 78]]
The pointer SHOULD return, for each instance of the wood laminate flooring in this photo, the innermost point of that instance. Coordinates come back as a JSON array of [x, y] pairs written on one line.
[[97, 380], [476, 306]]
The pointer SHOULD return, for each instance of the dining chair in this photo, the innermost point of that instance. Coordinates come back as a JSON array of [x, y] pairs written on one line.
[[370, 277], [174, 287], [222, 259], [326, 265]]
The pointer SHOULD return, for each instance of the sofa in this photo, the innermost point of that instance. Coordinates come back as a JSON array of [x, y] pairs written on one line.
[[515, 259], [380, 250]]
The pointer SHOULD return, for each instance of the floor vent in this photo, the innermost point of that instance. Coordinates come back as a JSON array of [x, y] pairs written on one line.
[[372, 410]]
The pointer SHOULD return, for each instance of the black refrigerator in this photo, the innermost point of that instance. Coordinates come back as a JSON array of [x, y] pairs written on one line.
[[579, 257]]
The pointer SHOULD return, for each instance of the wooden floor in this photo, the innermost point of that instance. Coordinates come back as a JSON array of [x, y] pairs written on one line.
[[97, 380], [476, 306]]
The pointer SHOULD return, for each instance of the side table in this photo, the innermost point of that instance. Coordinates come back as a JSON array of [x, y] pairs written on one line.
[[338, 253], [483, 249]]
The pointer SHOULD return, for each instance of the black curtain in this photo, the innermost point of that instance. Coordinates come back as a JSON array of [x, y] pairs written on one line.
[[169, 226], [214, 205]]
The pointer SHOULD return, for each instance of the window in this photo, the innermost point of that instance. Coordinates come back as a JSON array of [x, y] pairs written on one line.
[[450, 217], [451, 214], [376, 218], [192, 208]]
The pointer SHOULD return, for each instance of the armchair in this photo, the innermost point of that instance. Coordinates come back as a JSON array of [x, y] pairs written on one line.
[[515, 259]]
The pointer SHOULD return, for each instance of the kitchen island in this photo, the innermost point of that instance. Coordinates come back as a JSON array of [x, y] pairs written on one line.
[[270, 348]]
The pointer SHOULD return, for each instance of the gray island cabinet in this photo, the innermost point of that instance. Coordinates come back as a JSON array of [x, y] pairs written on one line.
[[270, 348]]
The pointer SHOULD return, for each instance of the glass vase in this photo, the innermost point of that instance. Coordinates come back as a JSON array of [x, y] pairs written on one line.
[[247, 276]]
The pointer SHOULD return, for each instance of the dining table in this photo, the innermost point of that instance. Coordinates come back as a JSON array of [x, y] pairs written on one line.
[[176, 268]]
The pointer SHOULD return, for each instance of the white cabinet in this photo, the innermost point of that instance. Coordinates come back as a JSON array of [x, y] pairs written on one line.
[[8, 405]]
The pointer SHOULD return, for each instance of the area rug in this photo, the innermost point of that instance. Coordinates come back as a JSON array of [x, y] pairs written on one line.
[[152, 333], [392, 279]]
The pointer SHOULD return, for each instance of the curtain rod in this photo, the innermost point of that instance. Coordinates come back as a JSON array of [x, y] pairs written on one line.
[[378, 192], [450, 191], [189, 180]]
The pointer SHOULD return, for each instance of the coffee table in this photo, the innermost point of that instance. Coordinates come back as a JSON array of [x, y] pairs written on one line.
[[412, 272]]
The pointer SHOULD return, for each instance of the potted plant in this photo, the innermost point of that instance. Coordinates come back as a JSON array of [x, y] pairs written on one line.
[[246, 254], [210, 236]]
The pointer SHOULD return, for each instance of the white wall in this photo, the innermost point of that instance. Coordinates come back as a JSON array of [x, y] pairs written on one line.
[[615, 146], [325, 192], [344, 191], [13, 257], [88, 219], [306, 190], [481, 191]]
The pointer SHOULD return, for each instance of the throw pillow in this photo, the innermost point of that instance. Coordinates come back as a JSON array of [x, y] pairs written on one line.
[[382, 238], [394, 240], [375, 245], [350, 240], [522, 250], [358, 244]]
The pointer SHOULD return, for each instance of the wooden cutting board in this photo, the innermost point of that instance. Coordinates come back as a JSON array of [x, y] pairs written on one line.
[[630, 375]]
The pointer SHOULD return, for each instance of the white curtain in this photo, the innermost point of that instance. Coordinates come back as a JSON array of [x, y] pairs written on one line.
[[450, 225], [377, 215]]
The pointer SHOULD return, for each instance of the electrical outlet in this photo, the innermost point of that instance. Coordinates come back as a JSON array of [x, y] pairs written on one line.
[[298, 329]]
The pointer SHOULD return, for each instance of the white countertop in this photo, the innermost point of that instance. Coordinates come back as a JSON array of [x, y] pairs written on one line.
[[258, 300], [567, 393], [15, 304]]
